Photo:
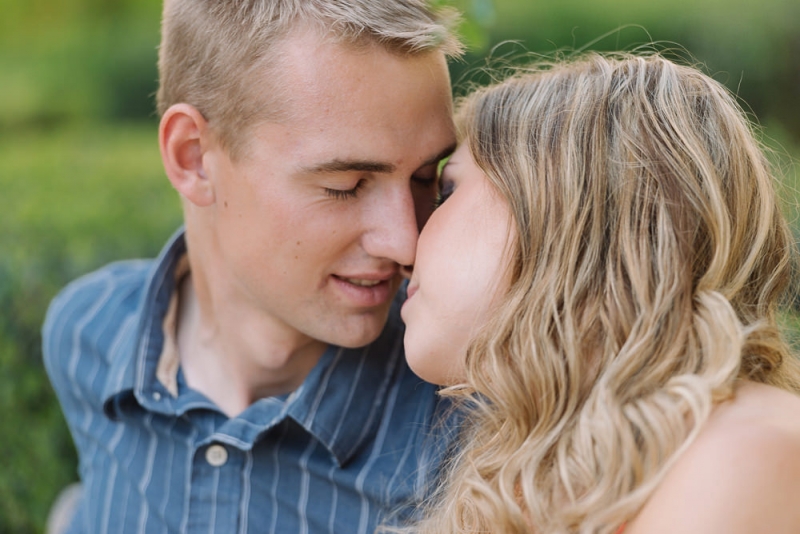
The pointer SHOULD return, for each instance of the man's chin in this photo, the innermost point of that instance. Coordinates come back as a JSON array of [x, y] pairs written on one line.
[[359, 331]]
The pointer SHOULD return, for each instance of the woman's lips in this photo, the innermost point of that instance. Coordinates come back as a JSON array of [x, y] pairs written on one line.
[[412, 288]]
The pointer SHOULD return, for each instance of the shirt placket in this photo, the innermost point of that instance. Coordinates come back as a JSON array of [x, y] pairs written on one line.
[[215, 493]]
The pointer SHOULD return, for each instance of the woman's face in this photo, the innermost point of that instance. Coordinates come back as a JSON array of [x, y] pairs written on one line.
[[460, 270]]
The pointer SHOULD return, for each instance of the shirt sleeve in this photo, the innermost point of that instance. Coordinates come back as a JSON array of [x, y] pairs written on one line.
[[81, 326]]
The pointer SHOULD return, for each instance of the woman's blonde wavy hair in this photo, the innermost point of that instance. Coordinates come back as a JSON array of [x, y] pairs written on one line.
[[648, 262]]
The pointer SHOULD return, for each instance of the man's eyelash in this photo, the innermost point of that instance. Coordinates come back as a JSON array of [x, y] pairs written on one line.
[[344, 194]]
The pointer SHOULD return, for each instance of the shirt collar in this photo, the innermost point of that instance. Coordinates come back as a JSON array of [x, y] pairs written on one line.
[[135, 368]]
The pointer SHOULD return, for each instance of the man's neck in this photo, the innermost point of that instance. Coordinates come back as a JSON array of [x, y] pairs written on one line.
[[234, 355]]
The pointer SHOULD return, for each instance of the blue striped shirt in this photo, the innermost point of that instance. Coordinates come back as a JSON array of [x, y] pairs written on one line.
[[355, 445]]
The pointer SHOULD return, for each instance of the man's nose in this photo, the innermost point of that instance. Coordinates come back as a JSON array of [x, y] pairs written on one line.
[[393, 228]]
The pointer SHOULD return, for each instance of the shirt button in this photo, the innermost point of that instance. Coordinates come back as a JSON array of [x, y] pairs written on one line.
[[156, 396], [216, 455]]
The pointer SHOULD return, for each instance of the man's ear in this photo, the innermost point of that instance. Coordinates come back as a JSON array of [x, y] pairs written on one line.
[[182, 136]]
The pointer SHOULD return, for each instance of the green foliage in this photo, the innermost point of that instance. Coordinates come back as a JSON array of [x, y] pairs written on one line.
[[60, 63], [73, 199], [753, 47], [476, 17]]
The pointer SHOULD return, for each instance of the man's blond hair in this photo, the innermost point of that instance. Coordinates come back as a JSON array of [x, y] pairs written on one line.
[[214, 53]]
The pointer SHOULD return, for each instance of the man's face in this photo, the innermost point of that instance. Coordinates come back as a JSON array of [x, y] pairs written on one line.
[[314, 220]]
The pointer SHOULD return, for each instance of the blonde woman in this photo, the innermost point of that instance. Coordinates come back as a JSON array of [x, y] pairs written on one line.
[[600, 284]]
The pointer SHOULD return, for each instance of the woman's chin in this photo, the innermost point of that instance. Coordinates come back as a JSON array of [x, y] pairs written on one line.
[[430, 365]]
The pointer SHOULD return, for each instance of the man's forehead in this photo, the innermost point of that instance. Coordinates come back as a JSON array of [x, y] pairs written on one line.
[[319, 70], [353, 109]]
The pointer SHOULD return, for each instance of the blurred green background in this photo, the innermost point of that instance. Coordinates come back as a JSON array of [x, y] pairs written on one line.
[[81, 181]]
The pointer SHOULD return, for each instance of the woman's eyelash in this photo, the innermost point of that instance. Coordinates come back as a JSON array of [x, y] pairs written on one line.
[[444, 193], [344, 194]]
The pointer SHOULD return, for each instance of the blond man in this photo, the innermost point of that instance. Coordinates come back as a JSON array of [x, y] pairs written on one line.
[[251, 378]]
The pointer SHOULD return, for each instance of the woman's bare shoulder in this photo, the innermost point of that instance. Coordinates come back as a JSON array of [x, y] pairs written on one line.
[[742, 474]]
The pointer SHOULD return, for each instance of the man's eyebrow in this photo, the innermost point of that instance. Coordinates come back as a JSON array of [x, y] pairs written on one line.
[[379, 167], [441, 155], [339, 165]]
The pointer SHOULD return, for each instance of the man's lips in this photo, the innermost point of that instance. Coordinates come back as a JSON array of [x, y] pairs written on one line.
[[367, 279], [363, 282], [366, 290]]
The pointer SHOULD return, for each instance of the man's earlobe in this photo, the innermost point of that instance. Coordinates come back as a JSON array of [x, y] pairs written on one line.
[[180, 136]]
